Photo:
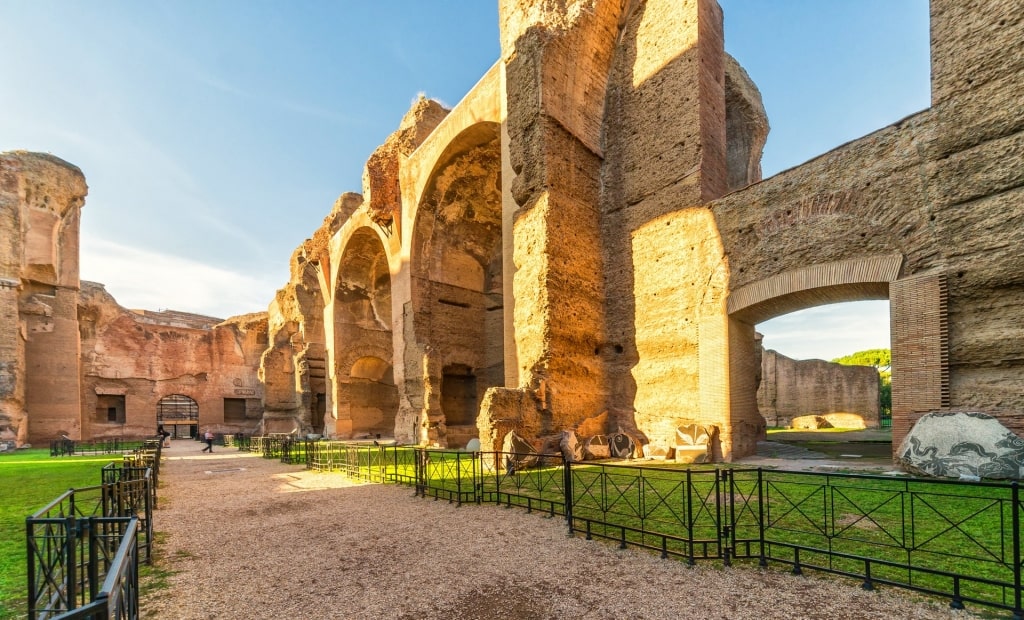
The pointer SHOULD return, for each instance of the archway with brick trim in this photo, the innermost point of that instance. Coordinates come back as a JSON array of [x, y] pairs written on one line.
[[920, 380], [457, 286], [365, 395]]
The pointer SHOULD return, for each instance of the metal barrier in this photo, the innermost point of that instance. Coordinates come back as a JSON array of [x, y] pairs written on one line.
[[364, 461], [946, 538], [72, 544], [84, 546], [118, 596], [71, 447]]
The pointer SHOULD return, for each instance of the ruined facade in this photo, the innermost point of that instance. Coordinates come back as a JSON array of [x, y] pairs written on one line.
[[586, 236], [846, 396], [584, 239], [74, 363]]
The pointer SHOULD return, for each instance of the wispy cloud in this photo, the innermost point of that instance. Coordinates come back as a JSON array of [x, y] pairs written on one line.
[[828, 332], [139, 278]]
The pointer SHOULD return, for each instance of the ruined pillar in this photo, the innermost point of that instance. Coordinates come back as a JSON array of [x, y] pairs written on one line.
[[40, 201]]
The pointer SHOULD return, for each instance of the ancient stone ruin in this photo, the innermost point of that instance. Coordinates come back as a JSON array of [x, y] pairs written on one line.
[[583, 242], [816, 393]]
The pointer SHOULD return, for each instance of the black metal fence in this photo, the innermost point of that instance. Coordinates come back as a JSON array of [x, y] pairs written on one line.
[[956, 540], [71, 447], [84, 546]]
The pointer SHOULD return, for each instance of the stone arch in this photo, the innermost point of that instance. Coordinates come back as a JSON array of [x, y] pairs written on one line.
[[457, 281], [178, 414], [918, 328], [362, 323]]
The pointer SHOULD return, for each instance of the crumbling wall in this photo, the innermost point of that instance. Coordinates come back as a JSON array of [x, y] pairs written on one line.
[[793, 388], [293, 368], [143, 360], [41, 197]]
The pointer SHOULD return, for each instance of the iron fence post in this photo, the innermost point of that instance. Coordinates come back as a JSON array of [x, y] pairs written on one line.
[[29, 548], [726, 517], [567, 486], [1018, 613], [70, 531], [689, 516], [760, 518], [458, 479], [93, 568]]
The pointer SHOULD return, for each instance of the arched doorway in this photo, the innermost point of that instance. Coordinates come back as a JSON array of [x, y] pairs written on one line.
[[366, 396], [178, 414], [456, 268]]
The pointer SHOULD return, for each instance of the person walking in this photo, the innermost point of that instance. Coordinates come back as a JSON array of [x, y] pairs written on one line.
[[209, 442]]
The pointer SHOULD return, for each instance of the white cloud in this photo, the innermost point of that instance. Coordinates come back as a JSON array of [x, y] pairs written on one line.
[[828, 332], [142, 279]]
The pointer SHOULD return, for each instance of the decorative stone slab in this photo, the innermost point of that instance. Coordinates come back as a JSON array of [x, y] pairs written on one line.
[[693, 444], [519, 454], [656, 452], [473, 445], [954, 445], [571, 447], [622, 446], [596, 447]]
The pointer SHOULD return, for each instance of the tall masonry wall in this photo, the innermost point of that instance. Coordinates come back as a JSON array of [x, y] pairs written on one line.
[[584, 242]]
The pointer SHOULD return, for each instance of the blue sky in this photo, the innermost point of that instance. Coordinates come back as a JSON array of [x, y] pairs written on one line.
[[215, 136]]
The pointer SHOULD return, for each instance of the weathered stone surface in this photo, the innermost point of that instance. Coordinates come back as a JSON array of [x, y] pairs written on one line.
[[571, 447], [133, 360], [596, 447], [693, 444], [829, 420], [790, 390], [562, 243], [622, 446], [41, 197], [951, 445], [518, 453]]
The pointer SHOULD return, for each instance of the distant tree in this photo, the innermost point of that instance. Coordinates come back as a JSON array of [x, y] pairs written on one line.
[[880, 359]]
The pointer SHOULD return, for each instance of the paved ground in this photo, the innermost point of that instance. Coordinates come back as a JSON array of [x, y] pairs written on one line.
[[868, 451]]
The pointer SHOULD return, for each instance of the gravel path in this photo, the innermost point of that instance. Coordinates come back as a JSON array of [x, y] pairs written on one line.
[[247, 537]]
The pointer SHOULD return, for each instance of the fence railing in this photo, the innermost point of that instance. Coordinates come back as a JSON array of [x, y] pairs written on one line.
[[85, 545], [960, 541], [71, 447]]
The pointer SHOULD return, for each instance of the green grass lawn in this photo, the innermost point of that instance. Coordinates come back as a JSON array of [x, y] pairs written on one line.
[[30, 479]]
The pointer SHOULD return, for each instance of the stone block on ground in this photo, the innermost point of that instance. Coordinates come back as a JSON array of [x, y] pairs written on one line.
[[622, 446], [809, 422], [951, 445], [571, 447], [596, 447], [693, 444], [518, 453]]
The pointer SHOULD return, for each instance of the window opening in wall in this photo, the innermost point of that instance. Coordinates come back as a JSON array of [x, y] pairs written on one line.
[[234, 409], [178, 412], [458, 395], [110, 408], [815, 375]]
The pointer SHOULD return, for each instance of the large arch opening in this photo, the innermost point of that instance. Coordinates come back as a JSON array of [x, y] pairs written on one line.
[[178, 414], [457, 282], [367, 399], [918, 343], [817, 370]]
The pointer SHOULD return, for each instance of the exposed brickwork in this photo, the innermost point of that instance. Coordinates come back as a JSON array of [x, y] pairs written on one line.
[[920, 346]]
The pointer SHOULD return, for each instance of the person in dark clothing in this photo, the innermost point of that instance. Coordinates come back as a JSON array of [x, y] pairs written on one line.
[[209, 442]]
